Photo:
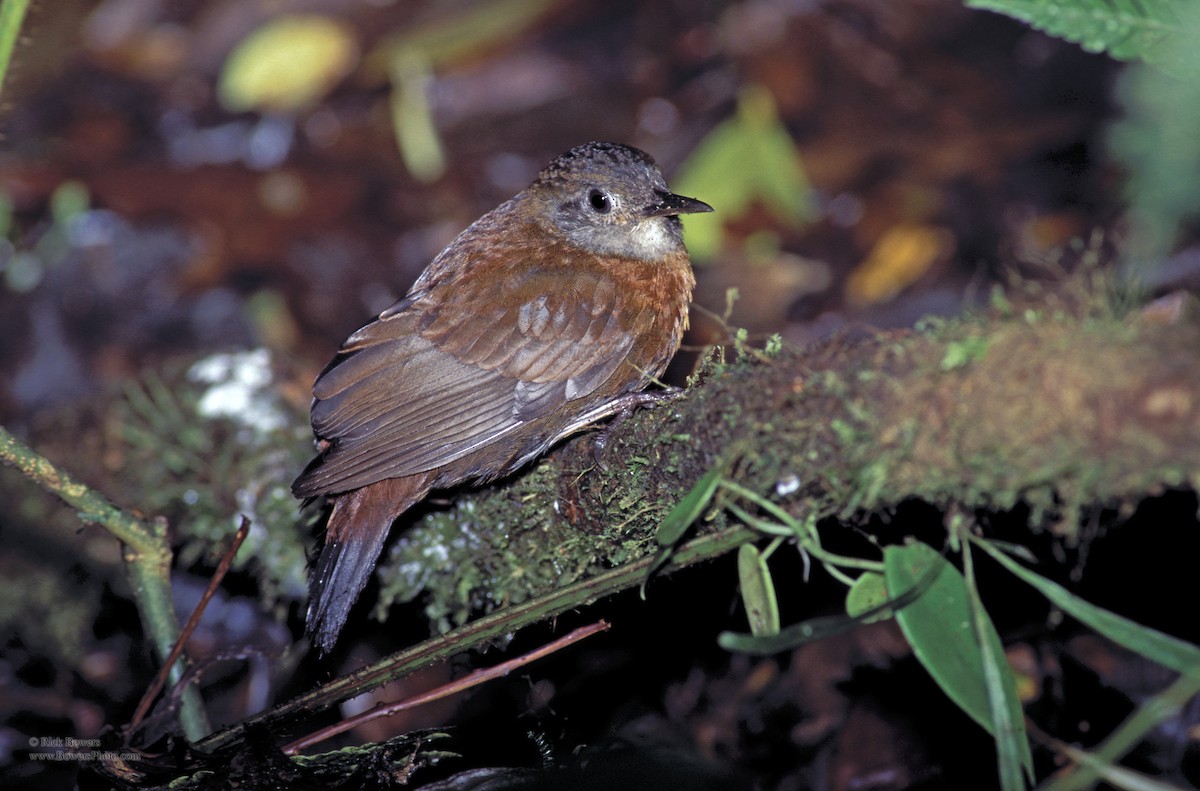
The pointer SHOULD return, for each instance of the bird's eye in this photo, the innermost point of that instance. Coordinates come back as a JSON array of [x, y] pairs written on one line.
[[600, 201]]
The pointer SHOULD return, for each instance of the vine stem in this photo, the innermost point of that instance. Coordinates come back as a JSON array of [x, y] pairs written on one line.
[[473, 679], [147, 557]]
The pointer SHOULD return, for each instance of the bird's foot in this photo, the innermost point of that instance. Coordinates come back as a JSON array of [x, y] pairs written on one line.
[[625, 406]]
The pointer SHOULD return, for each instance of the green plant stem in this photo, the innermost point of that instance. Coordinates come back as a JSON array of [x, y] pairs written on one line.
[[91, 507], [12, 14], [147, 559], [477, 633], [150, 579], [808, 538]]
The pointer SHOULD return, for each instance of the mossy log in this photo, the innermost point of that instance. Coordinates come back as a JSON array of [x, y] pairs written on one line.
[[1058, 412]]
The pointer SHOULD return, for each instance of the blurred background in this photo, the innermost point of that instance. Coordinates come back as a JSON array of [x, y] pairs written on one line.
[[200, 200], [190, 176]]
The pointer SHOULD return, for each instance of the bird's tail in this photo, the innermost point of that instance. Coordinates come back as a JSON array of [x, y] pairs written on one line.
[[354, 537]]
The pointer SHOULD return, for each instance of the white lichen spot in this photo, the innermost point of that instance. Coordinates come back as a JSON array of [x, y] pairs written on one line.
[[436, 553], [412, 570], [239, 389], [786, 485]]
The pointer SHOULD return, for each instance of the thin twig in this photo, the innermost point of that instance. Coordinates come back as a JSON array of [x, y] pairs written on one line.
[[160, 678], [446, 690], [475, 633]]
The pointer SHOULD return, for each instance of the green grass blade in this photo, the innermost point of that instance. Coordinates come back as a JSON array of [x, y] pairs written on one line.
[[1159, 708], [1116, 776], [1154, 645], [12, 14], [1013, 755]]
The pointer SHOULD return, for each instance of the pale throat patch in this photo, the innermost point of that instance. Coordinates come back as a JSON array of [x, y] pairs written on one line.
[[653, 239]]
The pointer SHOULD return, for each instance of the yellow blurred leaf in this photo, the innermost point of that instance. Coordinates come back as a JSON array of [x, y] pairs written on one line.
[[899, 258], [287, 64], [412, 117], [410, 57], [457, 34], [747, 159]]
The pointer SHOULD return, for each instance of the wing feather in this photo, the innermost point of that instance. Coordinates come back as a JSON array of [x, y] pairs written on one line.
[[436, 377]]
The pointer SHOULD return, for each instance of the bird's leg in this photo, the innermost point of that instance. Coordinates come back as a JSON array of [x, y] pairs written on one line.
[[622, 408]]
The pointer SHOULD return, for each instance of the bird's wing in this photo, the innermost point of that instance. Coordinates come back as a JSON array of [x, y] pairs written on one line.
[[559, 333], [449, 371]]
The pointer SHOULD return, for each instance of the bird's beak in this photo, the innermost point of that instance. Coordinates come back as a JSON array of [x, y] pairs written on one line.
[[670, 204]]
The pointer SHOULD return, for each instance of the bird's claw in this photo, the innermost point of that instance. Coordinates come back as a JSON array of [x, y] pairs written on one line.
[[625, 406]]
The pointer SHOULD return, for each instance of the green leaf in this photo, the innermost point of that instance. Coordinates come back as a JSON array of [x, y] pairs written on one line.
[[758, 591], [867, 593], [939, 627], [746, 159], [1154, 645], [688, 509], [1124, 29], [1155, 141]]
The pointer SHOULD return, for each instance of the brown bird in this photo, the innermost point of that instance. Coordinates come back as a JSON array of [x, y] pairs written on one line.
[[547, 314]]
